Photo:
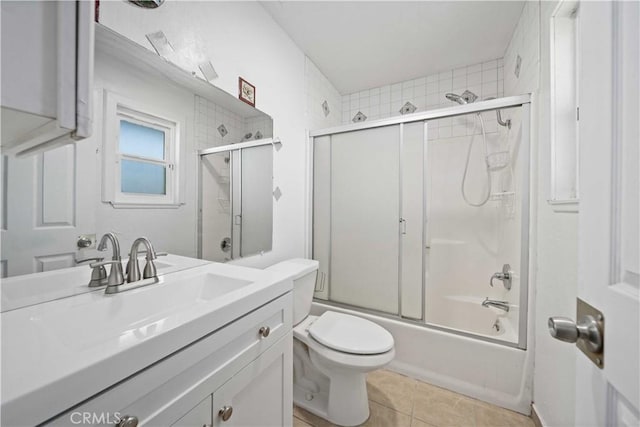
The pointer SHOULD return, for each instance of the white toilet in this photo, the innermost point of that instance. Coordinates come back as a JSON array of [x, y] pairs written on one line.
[[332, 353]]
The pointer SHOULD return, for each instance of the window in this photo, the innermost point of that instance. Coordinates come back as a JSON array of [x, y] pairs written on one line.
[[564, 107], [140, 156]]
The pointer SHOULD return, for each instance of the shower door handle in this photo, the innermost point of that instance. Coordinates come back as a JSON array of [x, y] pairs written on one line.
[[403, 226]]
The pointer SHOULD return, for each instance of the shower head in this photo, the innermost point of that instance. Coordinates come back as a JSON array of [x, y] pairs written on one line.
[[466, 97], [455, 98]]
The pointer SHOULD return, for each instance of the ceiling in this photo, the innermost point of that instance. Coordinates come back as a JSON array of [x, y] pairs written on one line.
[[364, 44]]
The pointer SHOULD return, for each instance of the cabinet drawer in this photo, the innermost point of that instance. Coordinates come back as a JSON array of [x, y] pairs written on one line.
[[165, 391], [260, 395]]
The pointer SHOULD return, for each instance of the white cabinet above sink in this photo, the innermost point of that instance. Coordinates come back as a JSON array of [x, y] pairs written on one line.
[[47, 73]]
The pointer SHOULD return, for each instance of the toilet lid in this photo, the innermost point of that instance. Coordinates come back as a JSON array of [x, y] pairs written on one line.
[[350, 334]]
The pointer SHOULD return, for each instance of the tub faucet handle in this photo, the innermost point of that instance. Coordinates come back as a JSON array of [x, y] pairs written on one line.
[[506, 275]]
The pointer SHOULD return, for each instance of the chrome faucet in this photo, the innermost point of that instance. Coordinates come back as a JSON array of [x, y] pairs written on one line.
[[98, 273], [133, 269], [116, 277], [502, 305]]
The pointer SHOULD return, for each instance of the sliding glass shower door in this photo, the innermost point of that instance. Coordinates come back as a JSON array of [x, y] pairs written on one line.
[[368, 218]]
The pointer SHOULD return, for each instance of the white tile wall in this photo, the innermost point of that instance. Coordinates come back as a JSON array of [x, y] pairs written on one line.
[[318, 90], [428, 93], [210, 116]]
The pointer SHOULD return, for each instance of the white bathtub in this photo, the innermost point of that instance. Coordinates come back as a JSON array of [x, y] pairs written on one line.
[[465, 313], [483, 370]]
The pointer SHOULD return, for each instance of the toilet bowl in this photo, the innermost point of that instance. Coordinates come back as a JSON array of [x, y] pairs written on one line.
[[332, 353]]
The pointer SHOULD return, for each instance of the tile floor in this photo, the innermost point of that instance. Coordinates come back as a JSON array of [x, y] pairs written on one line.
[[399, 401]]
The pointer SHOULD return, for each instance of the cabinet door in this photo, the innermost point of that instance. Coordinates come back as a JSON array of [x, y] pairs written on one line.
[[198, 416], [261, 393]]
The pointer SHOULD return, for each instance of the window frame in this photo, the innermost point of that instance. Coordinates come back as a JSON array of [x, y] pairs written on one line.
[[117, 109], [567, 12]]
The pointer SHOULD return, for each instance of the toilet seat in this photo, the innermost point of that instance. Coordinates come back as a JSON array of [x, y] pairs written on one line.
[[340, 359], [350, 334]]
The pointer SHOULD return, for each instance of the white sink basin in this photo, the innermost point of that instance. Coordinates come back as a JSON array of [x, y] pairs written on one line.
[[132, 315], [30, 289]]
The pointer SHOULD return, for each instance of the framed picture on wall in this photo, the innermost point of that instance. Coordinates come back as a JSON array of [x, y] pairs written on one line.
[[247, 92]]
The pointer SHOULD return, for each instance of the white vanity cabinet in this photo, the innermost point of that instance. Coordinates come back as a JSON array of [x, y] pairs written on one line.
[[244, 368], [47, 73]]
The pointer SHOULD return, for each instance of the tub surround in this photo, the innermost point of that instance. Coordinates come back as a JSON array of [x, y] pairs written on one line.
[[58, 354]]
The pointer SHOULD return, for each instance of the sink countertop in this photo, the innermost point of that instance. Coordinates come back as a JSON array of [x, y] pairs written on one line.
[[38, 288], [83, 344]]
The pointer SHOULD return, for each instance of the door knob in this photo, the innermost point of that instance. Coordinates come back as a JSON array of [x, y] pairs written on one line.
[[588, 330]]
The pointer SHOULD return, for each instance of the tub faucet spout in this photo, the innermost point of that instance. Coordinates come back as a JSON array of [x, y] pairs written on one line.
[[502, 305]]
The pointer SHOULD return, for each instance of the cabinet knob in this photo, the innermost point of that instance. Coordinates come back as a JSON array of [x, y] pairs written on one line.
[[264, 331], [128, 421], [225, 413]]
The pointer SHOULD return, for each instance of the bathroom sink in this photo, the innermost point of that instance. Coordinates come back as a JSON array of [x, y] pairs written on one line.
[[37, 288], [136, 314], [91, 341]]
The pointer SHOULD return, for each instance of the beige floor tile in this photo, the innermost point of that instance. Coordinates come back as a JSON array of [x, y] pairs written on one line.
[[392, 390], [309, 418], [381, 416], [417, 423], [493, 416], [297, 422], [442, 408]]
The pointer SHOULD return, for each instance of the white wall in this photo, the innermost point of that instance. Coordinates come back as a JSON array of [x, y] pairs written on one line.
[[241, 39], [555, 234], [319, 89]]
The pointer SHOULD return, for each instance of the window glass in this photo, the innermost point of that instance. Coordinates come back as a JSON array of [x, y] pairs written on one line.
[[143, 141], [142, 177]]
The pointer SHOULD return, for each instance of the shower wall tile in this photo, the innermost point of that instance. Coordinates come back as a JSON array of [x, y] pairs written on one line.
[[210, 118], [427, 93]]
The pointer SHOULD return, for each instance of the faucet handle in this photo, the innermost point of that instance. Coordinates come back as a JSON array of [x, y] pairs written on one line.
[[133, 270], [149, 270], [102, 263], [97, 259]]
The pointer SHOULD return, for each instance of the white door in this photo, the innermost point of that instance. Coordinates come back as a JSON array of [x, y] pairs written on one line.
[[47, 202], [609, 188]]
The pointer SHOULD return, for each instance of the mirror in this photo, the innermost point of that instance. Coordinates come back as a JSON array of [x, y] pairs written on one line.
[[236, 203], [55, 204]]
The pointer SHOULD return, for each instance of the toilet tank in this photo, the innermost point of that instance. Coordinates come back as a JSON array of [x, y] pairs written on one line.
[[303, 272]]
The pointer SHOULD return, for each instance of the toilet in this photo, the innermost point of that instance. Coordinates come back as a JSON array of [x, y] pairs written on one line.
[[332, 353]]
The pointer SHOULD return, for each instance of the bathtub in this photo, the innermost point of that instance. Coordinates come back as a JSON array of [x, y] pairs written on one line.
[[465, 314], [488, 371]]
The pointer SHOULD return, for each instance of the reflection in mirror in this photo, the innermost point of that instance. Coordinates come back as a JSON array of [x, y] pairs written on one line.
[[236, 203], [257, 200], [150, 120], [215, 202]]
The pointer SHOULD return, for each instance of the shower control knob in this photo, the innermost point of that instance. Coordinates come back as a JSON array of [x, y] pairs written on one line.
[[588, 329]]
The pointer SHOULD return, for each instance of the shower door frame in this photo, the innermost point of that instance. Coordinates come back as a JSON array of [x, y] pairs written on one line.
[[523, 101]]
